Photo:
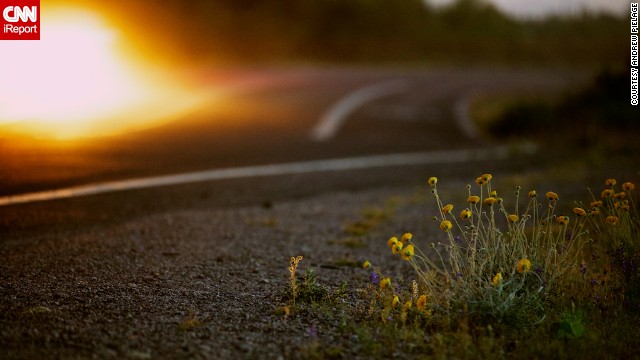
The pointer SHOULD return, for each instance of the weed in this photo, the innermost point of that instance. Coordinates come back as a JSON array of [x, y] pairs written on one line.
[[500, 263], [293, 266], [310, 291], [614, 220], [571, 324]]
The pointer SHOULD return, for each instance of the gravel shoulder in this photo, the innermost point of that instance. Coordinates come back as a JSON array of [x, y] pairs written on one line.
[[191, 283]]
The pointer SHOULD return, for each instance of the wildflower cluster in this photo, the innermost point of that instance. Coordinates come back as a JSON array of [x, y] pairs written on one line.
[[390, 295], [613, 219], [498, 261], [614, 214]]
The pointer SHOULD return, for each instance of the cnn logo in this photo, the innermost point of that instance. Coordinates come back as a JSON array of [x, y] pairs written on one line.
[[20, 20]]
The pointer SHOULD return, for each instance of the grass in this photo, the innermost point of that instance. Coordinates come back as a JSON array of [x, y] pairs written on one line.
[[371, 218], [568, 284]]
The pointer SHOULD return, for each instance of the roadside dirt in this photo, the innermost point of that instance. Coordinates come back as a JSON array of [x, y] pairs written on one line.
[[203, 283]]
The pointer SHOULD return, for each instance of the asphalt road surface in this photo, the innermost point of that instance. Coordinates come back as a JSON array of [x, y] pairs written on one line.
[[282, 115], [260, 126]]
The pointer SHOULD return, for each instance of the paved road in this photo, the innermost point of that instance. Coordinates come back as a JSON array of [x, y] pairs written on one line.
[[277, 115]]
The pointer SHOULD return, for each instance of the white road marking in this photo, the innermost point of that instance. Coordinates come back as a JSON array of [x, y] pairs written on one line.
[[351, 163], [463, 118], [333, 119]]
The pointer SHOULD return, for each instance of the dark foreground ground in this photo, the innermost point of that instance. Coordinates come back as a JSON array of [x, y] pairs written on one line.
[[200, 271], [74, 286]]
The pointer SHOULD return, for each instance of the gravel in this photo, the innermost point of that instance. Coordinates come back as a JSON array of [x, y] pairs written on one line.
[[187, 283]]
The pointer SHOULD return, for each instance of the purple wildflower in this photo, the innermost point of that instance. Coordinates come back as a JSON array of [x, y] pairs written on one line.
[[313, 331], [375, 278]]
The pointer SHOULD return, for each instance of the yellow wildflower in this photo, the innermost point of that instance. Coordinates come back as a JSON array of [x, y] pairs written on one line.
[[628, 186], [406, 237], [494, 194], [532, 194], [432, 181], [397, 247], [408, 252], [392, 242], [607, 193], [596, 204], [579, 211], [489, 201], [384, 283], [465, 214], [610, 182], [366, 264], [407, 306], [473, 199], [447, 208], [446, 225], [523, 266], [613, 220], [621, 195], [562, 220], [497, 279], [395, 302], [513, 218], [482, 180], [551, 196], [594, 211], [422, 302]]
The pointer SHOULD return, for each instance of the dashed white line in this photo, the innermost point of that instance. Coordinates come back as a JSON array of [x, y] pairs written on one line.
[[333, 119], [351, 163]]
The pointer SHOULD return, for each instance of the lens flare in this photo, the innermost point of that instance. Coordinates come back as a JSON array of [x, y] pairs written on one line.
[[75, 82]]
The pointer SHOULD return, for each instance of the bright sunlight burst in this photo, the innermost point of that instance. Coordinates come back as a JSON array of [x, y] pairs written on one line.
[[74, 81]]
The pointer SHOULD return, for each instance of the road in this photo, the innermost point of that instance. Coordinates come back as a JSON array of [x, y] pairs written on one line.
[[279, 116]]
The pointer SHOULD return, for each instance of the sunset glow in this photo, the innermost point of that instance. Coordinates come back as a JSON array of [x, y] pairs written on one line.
[[75, 82]]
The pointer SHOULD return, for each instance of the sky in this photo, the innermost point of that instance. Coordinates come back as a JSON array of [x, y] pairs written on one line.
[[540, 8]]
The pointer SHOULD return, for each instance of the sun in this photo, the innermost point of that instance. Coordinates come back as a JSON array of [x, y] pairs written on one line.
[[74, 81]]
